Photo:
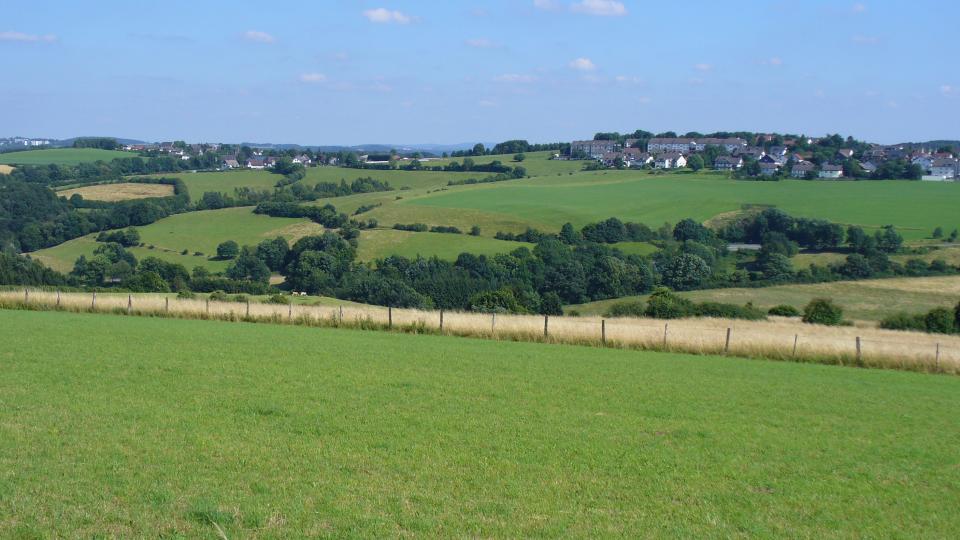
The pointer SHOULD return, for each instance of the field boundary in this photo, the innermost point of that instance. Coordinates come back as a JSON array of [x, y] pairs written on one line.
[[770, 340]]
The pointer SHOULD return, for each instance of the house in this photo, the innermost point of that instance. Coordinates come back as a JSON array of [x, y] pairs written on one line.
[[802, 169], [631, 143], [925, 161], [670, 160], [768, 158], [769, 168], [947, 168], [256, 163], [728, 163], [686, 145], [302, 159], [844, 153], [751, 152], [868, 167], [230, 162], [831, 171], [777, 151], [594, 149]]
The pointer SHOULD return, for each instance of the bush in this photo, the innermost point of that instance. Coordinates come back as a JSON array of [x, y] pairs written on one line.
[[823, 311], [228, 250], [904, 321], [784, 310], [278, 299], [626, 309], [939, 321], [241, 298], [729, 311], [219, 296], [186, 295], [663, 304]]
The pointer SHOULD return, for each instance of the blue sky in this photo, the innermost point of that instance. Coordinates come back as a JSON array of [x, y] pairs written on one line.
[[412, 71]]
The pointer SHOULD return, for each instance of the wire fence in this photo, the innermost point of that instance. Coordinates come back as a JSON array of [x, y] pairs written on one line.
[[781, 339]]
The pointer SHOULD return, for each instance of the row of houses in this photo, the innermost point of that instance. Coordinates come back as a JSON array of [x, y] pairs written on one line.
[[259, 161]]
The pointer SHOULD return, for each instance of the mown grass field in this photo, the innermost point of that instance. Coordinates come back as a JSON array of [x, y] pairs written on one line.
[[916, 208], [868, 300], [379, 243], [61, 156], [278, 432], [191, 231], [119, 192]]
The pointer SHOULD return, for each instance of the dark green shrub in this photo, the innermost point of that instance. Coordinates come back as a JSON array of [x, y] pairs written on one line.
[[823, 311], [663, 304], [939, 321], [186, 295], [904, 321], [241, 298], [784, 310], [278, 299], [626, 309], [219, 296], [729, 311]]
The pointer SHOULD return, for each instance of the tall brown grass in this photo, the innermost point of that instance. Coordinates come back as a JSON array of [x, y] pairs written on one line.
[[777, 339]]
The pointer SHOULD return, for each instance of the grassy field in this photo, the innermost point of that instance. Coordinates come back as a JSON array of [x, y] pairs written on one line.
[[277, 432], [868, 300], [915, 207], [119, 192], [61, 156], [192, 231], [380, 243]]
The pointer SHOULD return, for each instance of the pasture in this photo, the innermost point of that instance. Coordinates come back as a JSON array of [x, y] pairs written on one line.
[[61, 156], [867, 300], [279, 431], [119, 192], [193, 232], [916, 208], [380, 243]]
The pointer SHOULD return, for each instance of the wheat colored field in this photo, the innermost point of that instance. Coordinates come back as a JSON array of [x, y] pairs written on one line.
[[6, 169], [119, 192], [778, 339]]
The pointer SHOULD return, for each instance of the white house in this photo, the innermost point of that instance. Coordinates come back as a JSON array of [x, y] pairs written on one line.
[[256, 163], [831, 171], [302, 159], [670, 160], [946, 168], [769, 168], [728, 163], [230, 162], [802, 168], [925, 162], [687, 144], [594, 149]]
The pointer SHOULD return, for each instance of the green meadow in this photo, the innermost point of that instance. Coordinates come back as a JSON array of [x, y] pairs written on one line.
[[867, 300], [61, 156], [916, 208], [380, 243], [191, 231], [232, 430]]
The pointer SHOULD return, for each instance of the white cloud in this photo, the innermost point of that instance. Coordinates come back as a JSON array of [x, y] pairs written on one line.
[[603, 8], [258, 36], [515, 78], [546, 5], [702, 67], [313, 78], [480, 43], [948, 90], [27, 38], [386, 16], [583, 64]]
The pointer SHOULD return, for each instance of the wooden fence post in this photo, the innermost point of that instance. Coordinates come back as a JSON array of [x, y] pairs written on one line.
[[938, 357], [341, 315], [796, 338], [441, 321], [666, 329], [166, 305], [726, 348], [493, 322], [389, 317], [26, 296], [208, 306], [859, 351], [93, 303], [248, 308], [290, 311], [546, 326], [603, 331], [129, 303], [58, 297]]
